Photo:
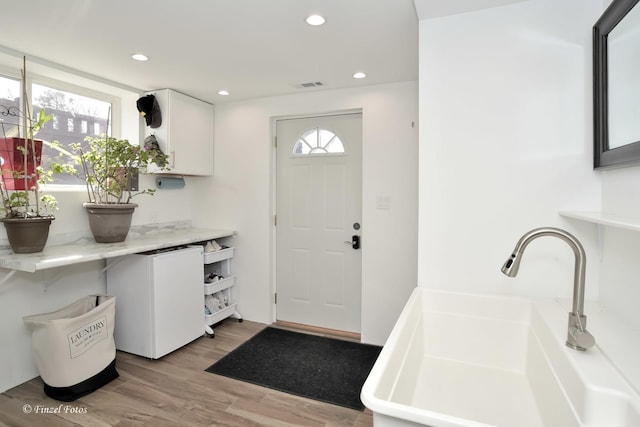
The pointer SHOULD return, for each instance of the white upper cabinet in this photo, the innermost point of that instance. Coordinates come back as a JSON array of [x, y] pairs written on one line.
[[186, 133]]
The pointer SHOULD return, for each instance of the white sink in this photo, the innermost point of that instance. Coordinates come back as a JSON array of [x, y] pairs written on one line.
[[459, 359]]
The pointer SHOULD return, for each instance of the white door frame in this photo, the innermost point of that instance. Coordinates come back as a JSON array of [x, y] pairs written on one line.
[[272, 186]]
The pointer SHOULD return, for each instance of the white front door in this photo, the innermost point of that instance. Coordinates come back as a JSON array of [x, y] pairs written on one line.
[[319, 210]]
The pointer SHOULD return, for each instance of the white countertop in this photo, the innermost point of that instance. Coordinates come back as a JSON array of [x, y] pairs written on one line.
[[86, 249]]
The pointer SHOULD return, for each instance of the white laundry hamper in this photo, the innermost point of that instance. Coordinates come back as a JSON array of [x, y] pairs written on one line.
[[73, 348]]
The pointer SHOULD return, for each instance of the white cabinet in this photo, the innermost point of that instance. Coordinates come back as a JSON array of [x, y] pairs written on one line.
[[186, 133], [158, 300], [219, 298]]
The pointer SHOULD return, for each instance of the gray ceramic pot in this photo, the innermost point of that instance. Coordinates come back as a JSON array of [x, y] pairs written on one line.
[[110, 222]]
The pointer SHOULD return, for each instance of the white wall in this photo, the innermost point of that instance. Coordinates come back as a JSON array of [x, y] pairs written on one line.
[[505, 143], [620, 284], [240, 195], [620, 270]]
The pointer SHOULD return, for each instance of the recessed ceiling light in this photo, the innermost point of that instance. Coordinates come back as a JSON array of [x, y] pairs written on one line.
[[359, 75], [139, 57], [315, 20], [223, 92]]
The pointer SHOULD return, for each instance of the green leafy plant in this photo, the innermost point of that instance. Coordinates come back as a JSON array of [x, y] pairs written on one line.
[[110, 164]]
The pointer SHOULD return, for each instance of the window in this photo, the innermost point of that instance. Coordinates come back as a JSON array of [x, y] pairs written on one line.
[[9, 89], [77, 111], [9, 105], [92, 109], [318, 142]]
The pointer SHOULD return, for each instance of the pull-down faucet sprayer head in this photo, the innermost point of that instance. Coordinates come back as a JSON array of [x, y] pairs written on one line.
[[512, 264]]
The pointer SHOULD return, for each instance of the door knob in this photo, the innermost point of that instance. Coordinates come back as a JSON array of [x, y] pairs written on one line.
[[355, 241]]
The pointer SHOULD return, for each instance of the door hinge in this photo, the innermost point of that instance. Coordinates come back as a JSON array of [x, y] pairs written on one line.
[[275, 220], [275, 141], [275, 298]]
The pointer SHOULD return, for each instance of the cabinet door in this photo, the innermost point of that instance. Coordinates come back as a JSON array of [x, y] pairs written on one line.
[[178, 299], [186, 133], [190, 135]]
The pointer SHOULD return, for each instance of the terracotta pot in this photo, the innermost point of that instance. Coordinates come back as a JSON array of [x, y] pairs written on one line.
[[110, 222], [27, 235]]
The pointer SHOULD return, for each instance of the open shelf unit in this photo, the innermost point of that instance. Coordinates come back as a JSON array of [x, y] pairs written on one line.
[[219, 298]]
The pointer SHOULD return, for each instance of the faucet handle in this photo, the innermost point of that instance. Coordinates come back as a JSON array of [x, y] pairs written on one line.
[[578, 338]]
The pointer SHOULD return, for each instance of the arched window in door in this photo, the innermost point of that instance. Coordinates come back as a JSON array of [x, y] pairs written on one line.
[[318, 142]]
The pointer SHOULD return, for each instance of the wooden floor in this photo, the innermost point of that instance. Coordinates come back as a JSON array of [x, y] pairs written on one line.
[[175, 391]]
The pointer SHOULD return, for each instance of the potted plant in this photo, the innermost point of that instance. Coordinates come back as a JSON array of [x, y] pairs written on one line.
[[110, 165], [27, 211]]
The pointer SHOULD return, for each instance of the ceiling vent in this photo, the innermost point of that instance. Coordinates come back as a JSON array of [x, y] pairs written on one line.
[[311, 84]]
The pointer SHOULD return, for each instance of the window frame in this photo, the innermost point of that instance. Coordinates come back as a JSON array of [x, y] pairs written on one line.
[[114, 100], [293, 154]]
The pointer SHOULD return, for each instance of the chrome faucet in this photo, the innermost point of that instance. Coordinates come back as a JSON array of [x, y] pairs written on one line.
[[578, 338]]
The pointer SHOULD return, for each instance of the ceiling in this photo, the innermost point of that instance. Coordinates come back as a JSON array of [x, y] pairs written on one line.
[[436, 8], [251, 48]]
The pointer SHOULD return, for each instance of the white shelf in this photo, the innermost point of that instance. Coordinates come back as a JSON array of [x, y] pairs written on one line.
[[212, 288], [89, 250], [218, 316], [612, 220], [219, 262], [217, 256]]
